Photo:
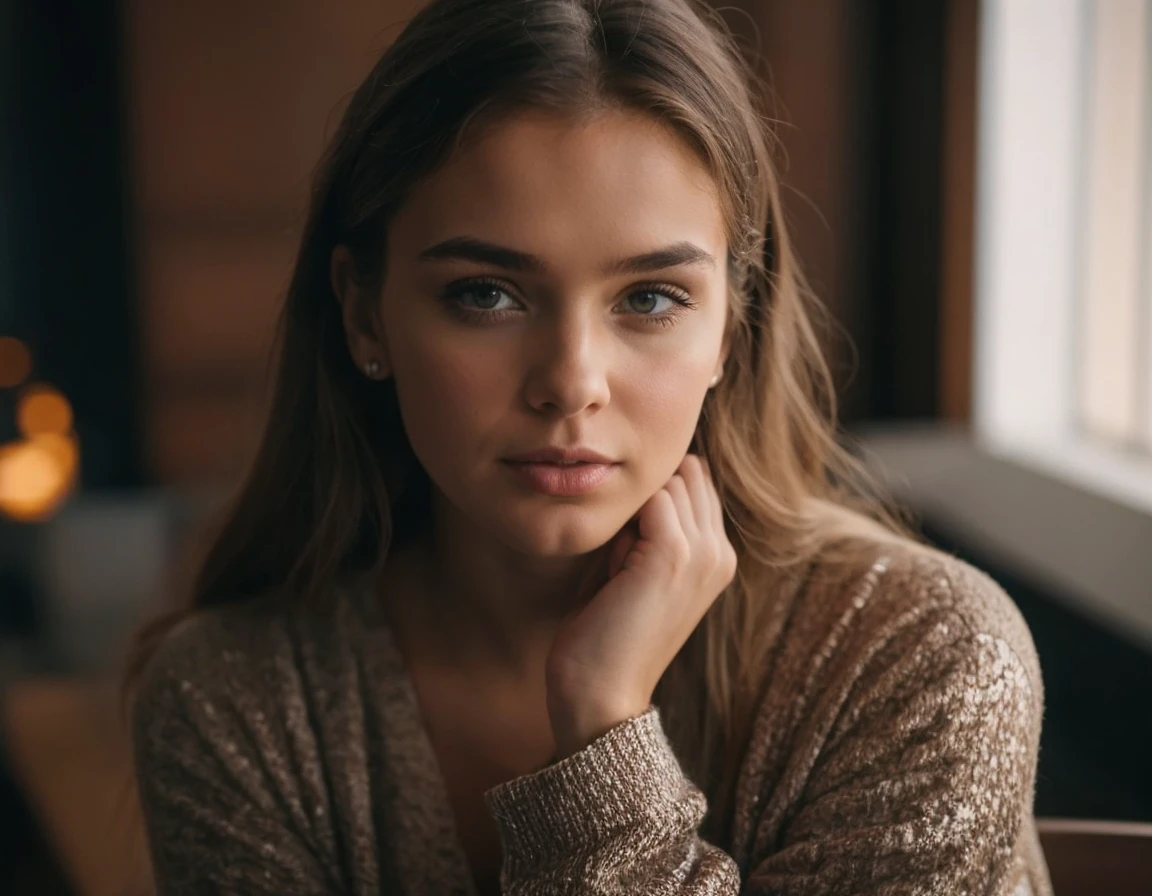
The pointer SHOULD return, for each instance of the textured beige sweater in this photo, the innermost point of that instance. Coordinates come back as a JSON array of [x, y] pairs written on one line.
[[894, 752]]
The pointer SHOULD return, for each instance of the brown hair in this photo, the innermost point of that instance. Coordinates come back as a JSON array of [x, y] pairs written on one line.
[[335, 483]]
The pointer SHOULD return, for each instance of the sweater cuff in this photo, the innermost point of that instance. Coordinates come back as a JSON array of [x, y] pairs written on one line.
[[628, 774]]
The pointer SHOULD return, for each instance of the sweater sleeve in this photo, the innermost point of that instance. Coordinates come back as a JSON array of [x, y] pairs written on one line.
[[619, 816], [217, 823], [923, 790]]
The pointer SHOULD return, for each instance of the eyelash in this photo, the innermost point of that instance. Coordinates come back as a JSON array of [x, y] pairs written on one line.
[[451, 295]]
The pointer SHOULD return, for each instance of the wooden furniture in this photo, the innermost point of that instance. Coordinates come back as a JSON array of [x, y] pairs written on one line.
[[1092, 857]]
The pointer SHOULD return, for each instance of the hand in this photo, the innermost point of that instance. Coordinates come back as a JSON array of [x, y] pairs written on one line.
[[665, 569]]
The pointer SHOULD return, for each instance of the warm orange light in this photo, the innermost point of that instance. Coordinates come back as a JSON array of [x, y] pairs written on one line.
[[65, 450], [33, 479], [42, 410], [15, 362]]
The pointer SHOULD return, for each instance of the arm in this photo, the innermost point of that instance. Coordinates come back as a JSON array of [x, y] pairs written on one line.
[[217, 823], [924, 785], [618, 816], [923, 788]]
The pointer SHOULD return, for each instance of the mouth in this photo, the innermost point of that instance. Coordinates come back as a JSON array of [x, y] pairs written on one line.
[[561, 456], [562, 478]]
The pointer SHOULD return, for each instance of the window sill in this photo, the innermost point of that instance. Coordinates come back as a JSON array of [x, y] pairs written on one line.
[[1031, 513]]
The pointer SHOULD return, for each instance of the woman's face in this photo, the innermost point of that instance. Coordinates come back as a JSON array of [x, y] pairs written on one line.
[[511, 321]]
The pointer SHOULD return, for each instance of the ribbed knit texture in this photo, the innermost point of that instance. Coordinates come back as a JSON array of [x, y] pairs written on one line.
[[894, 752]]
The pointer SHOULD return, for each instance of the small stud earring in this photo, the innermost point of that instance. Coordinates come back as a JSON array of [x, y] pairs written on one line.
[[714, 380], [372, 368]]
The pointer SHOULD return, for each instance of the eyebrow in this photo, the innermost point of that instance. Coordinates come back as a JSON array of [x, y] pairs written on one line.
[[468, 248]]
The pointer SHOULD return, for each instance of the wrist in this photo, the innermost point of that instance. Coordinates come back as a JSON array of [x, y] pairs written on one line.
[[574, 728]]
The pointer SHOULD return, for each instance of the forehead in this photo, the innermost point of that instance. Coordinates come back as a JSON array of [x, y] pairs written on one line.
[[570, 192]]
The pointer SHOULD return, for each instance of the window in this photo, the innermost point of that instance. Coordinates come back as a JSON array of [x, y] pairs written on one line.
[[1114, 373], [1063, 299]]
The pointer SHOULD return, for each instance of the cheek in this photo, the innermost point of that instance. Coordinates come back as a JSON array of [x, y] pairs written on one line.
[[447, 399], [662, 410]]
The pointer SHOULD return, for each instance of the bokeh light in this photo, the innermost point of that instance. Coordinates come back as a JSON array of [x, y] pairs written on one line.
[[15, 362], [36, 475], [43, 410], [65, 450]]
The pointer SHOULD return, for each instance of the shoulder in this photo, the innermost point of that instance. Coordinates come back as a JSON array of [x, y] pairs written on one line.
[[223, 665], [217, 648], [903, 716], [210, 669], [228, 761], [901, 593], [942, 583]]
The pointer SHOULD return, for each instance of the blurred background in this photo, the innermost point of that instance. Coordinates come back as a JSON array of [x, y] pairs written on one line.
[[969, 185]]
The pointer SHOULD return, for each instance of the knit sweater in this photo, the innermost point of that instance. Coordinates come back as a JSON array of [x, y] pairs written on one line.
[[893, 751]]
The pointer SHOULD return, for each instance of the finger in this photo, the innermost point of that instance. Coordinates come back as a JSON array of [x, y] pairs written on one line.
[[692, 470], [659, 521], [678, 489]]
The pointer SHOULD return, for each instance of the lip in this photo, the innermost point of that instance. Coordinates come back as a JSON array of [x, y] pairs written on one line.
[[561, 481], [555, 454]]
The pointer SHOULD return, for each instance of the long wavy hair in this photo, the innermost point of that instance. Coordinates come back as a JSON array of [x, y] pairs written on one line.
[[335, 483]]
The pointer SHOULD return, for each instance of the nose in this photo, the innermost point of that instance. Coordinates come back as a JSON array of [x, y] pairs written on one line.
[[569, 373]]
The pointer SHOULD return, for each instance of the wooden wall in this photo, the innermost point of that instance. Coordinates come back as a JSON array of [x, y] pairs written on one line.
[[231, 103], [814, 55]]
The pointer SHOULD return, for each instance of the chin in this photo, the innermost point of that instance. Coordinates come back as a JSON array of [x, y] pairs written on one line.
[[563, 530]]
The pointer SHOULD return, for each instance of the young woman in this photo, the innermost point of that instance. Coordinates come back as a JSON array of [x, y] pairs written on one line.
[[550, 576]]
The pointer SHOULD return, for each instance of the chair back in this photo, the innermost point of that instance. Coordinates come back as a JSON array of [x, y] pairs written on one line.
[[1093, 857]]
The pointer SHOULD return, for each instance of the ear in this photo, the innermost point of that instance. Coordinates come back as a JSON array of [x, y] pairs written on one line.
[[362, 329]]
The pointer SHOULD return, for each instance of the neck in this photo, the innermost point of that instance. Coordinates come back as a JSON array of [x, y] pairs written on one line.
[[483, 605]]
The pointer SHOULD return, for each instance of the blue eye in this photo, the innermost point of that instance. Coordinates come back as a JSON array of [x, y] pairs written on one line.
[[487, 296], [479, 300], [678, 300], [655, 296]]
